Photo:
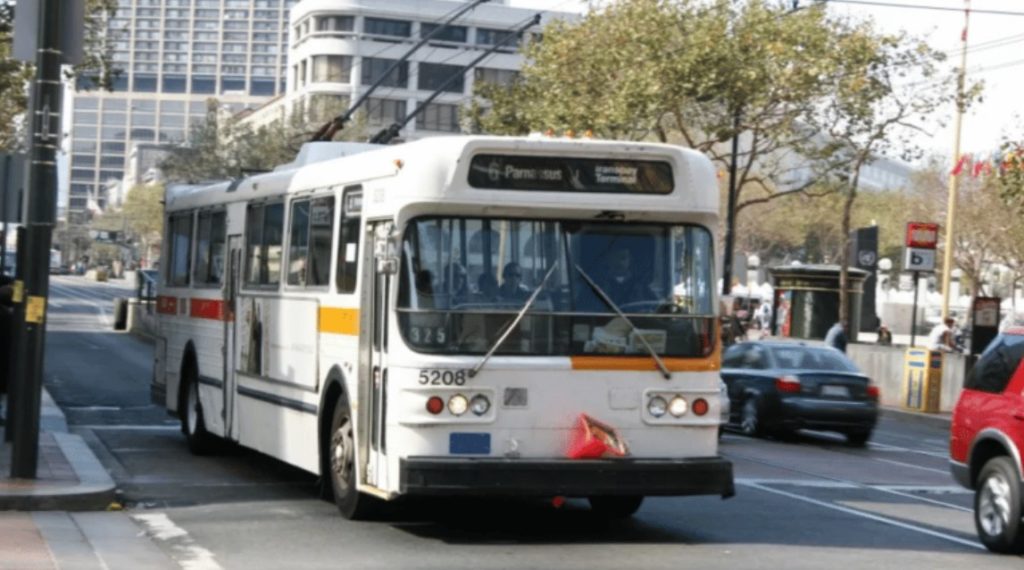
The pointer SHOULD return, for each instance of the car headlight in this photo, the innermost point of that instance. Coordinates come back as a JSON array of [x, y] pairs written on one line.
[[657, 406], [678, 406], [458, 404]]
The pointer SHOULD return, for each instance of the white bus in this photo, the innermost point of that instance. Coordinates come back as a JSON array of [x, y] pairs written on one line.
[[454, 316]]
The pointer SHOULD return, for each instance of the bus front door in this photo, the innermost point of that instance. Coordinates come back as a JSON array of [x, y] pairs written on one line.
[[232, 278], [375, 296]]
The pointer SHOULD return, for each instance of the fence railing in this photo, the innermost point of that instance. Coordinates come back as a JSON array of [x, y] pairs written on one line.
[[145, 288]]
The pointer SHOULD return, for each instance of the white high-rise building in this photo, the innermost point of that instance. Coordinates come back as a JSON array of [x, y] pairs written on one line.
[[173, 56], [339, 48]]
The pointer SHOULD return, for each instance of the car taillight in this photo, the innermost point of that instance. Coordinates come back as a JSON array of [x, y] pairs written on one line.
[[435, 405], [700, 406], [874, 393], [787, 384]]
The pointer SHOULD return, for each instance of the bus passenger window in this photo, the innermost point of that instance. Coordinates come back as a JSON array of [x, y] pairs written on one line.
[[181, 249], [298, 243], [348, 246], [264, 226], [209, 265], [253, 243], [321, 231]]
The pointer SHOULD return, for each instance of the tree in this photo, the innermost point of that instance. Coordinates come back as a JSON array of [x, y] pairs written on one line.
[[874, 110], [15, 75], [222, 147], [684, 72]]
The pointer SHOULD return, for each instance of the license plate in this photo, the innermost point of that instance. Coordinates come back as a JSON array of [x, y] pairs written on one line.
[[835, 391]]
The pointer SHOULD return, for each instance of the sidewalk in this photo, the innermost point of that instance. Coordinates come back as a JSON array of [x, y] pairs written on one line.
[[69, 478]]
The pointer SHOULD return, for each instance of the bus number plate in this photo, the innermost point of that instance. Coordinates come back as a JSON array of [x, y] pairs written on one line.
[[442, 377]]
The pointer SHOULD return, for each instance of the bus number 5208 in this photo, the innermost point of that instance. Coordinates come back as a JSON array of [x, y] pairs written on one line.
[[442, 377]]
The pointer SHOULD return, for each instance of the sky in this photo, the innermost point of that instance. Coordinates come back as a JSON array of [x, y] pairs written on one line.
[[994, 54]]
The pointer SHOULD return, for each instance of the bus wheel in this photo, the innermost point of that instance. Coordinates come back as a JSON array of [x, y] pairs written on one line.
[[616, 507], [342, 453], [200, 442]]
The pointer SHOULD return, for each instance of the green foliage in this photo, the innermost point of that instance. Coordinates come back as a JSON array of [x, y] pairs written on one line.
[[143, 210]]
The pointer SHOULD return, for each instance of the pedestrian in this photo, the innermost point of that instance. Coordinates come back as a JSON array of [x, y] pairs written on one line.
[[884, 335], [941, 336], [836, 336]]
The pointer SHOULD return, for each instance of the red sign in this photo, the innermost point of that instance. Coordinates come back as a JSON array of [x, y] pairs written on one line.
[[922, 235]]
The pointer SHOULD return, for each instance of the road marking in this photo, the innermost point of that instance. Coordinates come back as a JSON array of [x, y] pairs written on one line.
[[812, 483], [911, 465], [870, 516], [94, 301], [186, 552], [887, 447], [140, 427]]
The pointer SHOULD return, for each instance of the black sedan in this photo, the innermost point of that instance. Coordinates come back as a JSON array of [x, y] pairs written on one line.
[[779, 387]]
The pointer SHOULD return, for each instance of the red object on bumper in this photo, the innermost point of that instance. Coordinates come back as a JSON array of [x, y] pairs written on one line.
[[593, 439]]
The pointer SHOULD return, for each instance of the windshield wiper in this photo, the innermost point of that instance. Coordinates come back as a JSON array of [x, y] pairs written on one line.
[[512, 326], [611, 304]]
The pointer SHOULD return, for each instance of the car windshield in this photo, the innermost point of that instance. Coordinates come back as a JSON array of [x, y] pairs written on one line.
[[810, 358], [463, 280]]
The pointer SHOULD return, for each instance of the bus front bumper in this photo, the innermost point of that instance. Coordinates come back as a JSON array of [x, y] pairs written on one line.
[[566, 477]]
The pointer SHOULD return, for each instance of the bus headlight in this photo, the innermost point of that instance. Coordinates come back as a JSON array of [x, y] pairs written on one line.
[[657, 406], [458, 404], [677, 407], [479, 404]]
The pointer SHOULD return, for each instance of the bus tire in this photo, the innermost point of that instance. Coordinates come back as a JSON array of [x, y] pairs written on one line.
[[341, 453], [200, 441], [616, 506]]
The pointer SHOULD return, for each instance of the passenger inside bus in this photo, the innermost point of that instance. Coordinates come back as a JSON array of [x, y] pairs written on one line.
[[512, 288]]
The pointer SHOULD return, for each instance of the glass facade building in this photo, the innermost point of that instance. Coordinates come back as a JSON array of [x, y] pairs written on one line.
[[172, 55]]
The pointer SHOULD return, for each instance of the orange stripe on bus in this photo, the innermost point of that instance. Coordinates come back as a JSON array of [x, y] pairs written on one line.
[[707, 364], [339, 320]]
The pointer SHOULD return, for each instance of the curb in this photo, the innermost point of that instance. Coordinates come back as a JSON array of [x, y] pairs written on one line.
[[95, 489], [940, 418]]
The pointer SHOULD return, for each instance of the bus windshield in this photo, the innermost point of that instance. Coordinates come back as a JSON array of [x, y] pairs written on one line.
[[463, 280]]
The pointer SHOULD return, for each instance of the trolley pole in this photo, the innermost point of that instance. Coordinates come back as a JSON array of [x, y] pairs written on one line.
[[39, 222]]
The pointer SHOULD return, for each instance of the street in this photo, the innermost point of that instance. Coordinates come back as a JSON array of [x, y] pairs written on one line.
[[810, 502]]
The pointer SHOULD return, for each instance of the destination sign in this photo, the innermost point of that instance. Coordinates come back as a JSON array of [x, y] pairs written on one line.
[[568, 174]]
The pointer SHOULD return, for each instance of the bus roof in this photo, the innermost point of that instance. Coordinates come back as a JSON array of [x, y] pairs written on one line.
[[436, 170]]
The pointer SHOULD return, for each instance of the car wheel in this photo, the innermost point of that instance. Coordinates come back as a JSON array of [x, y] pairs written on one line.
[[750, 418], [858, 438], [193, 425], [616, 507], [342, 453], [997, 507]]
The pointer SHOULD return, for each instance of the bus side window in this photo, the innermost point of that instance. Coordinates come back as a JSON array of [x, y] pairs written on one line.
[[298, 243], [181, 249], [209, 266], [321, 231], [264, 228], [348, 245]]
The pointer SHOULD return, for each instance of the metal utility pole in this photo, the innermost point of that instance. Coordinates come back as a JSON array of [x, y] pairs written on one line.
[[42, 202], [730, 214], [947, 255]]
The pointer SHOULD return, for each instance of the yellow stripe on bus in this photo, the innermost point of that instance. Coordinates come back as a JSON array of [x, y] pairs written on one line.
[[710, 363], [339, 320]]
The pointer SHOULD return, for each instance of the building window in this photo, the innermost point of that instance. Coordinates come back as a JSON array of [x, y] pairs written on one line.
[[439, 117], [455, 34], [492, 37], [204, 85], [374, 68], [232, 84], [302, 73], [144, 83], [386, 27], [174, 84], [495, 76], [335, 24], [83, 160], [85, 118], [384, 111], [434, 75], [262, 87], [332, 68]]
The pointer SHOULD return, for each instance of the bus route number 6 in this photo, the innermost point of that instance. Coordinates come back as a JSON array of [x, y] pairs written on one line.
[[435, 377]]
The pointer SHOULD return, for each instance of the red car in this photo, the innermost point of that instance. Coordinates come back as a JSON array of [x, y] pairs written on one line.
[[987, 442]]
